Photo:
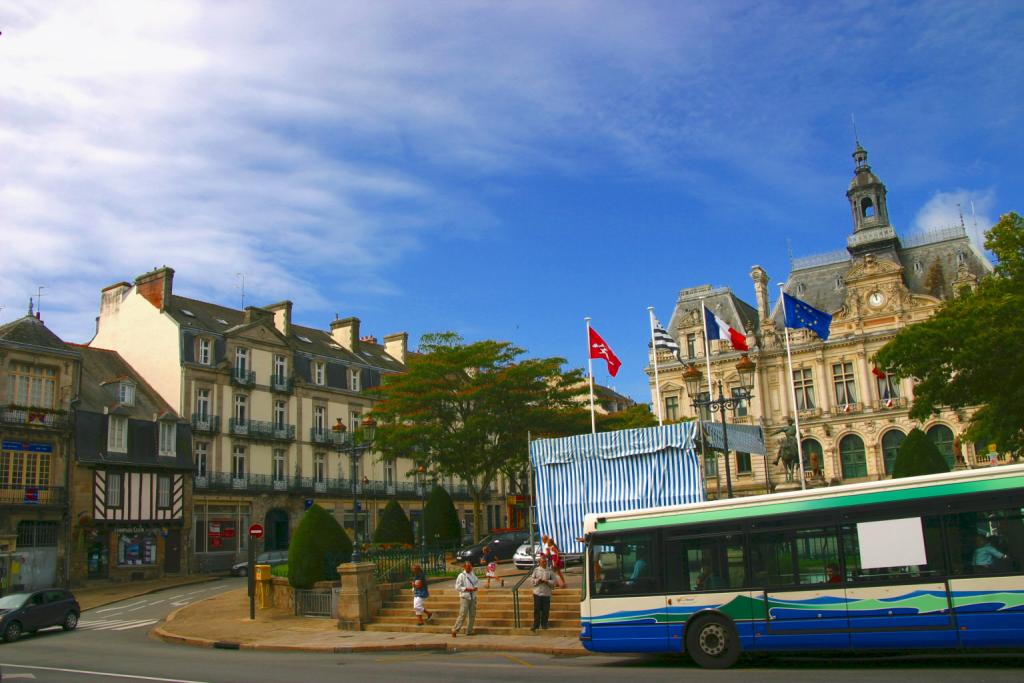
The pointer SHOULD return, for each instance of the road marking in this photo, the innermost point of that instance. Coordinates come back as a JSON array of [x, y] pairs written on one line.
[[108, 609], [115, 624], [11, 677], [100, 673], [156, 602], [517, 660], [181, 603]]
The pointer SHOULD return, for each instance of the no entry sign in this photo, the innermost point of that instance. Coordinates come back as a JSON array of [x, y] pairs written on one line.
[[256, 531]]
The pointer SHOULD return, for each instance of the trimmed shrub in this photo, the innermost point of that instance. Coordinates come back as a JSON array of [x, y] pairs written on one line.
[[318, 546], [918, 455], [394, 526], [440, 520]]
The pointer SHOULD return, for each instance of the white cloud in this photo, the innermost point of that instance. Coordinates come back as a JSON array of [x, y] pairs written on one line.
[[947, 209]]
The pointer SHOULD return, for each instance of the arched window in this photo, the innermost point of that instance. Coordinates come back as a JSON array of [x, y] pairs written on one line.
[[942, 436], [867, 207], [811, 447], [891, 441], [851, 454]]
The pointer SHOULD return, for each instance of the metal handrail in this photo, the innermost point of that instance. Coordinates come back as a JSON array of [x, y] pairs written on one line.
[[516, 619]]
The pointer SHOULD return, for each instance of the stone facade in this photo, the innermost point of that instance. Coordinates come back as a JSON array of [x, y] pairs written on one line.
[[852, 415]]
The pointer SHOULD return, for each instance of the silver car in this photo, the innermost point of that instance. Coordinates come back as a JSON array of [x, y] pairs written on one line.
[[526, 556]]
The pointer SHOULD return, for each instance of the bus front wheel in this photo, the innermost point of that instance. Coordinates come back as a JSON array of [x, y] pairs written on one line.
[[712, 642]]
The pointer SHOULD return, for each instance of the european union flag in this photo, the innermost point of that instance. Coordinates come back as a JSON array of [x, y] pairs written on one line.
[[800, 314]]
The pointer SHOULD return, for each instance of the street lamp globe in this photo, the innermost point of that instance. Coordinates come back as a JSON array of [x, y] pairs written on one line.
[[693, 377], [746, 369]]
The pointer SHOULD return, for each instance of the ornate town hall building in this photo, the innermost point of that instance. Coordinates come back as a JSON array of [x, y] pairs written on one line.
[[852, 416]]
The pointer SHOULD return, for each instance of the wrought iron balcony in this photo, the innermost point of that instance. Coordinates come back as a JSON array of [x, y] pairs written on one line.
[[245, 378], [205, 423], [260, 429], [35, 417], [321, 435], [341, 488], [281, 383], [20, 494]]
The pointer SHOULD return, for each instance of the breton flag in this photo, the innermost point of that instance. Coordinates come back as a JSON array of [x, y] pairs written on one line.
[[664, 340], [718, 329], [599, 349], [800, 314]]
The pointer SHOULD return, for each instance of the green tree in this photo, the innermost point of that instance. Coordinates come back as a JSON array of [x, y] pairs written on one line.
[[633, 417], [970, 352], [465, 409], [918, 455], [440, 520], [394, 526], [318, 546]]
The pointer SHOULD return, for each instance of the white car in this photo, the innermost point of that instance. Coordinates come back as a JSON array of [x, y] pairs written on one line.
[[526, 556]]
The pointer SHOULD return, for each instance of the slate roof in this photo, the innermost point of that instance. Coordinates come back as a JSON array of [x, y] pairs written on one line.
[[28, 331], [221, 320], [721, 301], [823, 286], [102, 371]]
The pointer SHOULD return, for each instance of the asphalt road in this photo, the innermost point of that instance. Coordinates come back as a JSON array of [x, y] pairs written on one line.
[[112, 645]]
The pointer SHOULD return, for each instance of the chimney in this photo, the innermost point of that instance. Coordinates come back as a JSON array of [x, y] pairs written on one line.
[[282, 317], [345, 332], [397, 345], [254, 313], [155, 287]]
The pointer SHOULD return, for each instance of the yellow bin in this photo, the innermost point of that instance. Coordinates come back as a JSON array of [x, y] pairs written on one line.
[[263, 577]]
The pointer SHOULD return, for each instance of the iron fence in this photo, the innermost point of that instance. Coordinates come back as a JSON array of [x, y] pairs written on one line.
[[395, 565], [314, 602]]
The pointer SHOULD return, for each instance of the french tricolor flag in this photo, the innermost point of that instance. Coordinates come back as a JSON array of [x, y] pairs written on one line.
[[718, 329]]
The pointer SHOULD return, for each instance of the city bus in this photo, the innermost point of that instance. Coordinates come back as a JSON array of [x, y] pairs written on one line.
[[924, 562]]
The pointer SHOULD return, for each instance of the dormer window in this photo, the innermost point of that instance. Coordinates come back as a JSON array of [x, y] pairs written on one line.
[[960, 258], [168, 438], [117, 434], [126, 393], [204, 351], [839, 282], [355, 379], [319, 372], [918, 267]]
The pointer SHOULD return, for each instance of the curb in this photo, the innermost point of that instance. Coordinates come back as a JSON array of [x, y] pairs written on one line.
[[150, 591]]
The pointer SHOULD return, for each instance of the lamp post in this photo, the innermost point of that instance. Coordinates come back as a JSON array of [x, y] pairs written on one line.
[[421, 476], [355, 445], [693, 378]]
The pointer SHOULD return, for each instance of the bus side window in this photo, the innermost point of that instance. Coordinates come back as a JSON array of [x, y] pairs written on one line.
[[771, 559], [986, 542], [923, 532], [705, 563]]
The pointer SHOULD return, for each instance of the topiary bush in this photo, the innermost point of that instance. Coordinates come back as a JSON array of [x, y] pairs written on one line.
[[440, 520], [394, 526], [918, 455], [318, 546]]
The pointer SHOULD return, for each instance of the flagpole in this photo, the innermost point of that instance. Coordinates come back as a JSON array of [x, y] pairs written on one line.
[[654, 351], [590, 370], [792, 392], [707, 346]]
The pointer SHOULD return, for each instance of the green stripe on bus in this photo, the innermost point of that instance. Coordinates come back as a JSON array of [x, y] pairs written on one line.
[[826, 503]]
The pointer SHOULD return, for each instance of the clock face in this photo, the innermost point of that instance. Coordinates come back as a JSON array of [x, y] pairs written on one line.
[[876, 299]]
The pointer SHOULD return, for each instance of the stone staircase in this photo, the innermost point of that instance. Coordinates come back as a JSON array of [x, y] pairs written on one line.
[[494, 612]]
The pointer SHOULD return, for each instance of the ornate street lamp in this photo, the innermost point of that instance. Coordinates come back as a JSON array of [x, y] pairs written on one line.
[[355, 445], [693, 378]]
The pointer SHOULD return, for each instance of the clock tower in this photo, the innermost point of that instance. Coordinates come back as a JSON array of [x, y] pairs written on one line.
[[872, 233]]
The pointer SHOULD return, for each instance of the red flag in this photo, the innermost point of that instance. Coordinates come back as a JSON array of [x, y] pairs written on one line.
[[878, 372], [599, 349]]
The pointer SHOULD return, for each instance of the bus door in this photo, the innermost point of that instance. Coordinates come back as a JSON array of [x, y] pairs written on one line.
[[803, 597], [706, 573], [986, 551], [627, 599], [896, 594]]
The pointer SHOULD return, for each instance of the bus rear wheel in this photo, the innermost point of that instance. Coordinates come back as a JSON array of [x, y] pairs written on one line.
[[712, 642]]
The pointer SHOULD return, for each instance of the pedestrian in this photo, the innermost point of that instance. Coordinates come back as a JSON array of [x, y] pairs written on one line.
[[466, 584], [555, 561], [543, 580], [420, 593], [491, 558]]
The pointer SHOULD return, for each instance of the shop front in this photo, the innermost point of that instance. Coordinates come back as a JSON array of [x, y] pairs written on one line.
[[133, 552], [220, 533]]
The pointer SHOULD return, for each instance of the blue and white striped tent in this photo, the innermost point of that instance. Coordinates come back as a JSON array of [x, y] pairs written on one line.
[[630, 469]]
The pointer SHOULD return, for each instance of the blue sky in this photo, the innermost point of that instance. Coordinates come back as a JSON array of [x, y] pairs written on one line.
[[498, 169]]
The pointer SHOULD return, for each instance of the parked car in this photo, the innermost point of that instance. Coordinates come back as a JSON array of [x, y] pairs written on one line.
[[28, 612], [271, 557], [526, 555], [503, 545]]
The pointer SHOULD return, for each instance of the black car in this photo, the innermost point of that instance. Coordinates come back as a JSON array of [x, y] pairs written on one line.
[[502, 544], [29, 612]]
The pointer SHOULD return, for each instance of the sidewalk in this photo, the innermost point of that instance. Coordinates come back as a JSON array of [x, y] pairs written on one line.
[[94, 596], [223, 621]]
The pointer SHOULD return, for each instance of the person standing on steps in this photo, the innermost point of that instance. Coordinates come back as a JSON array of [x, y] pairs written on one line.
[[467, 585], [543, 580], [420, 593]]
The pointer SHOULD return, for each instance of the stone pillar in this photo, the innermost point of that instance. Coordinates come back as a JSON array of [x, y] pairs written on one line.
[[359, 599]]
